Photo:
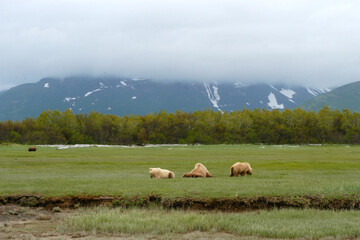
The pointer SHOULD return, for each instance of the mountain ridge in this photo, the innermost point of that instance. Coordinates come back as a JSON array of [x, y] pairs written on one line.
[[344, 97], [120, 96]]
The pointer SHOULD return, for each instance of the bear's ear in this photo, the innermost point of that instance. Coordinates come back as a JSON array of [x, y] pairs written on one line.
[[150, 169]]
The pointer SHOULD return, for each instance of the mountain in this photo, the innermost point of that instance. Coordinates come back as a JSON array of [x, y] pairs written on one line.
[[347, 96], [114, 95]]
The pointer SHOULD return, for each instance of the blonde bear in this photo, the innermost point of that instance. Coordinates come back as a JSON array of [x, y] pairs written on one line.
[[160, 173], [240, 168], [199, 171]]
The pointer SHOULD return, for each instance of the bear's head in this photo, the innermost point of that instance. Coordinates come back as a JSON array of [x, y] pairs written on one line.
[[153, 170]]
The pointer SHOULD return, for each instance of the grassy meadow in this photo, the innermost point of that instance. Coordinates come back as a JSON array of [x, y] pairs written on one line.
[[328, 170], [286, 223]]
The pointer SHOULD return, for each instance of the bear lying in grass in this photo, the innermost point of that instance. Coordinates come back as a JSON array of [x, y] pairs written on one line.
[[240, 168], [160, 173], [199, 171]]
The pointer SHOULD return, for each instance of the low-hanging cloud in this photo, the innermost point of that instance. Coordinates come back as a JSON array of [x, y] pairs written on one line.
[[314, 43]]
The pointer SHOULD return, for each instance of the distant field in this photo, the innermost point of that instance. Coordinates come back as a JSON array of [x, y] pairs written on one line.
[[330, 170]]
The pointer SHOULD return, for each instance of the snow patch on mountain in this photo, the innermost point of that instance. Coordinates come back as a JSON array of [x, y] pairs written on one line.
[[273, 87], [273, 102], [311, 92], [213, 96], [316, 92], [102, 85], [68, 99], [240, 85], [216, 93], [46, 85], [324, 90], [91, 92], [287, 92], [122, 84]]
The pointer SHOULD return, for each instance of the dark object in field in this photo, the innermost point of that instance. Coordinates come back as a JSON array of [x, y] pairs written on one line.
[[199, 171], [32, 149], [140, 145], [240, 168]]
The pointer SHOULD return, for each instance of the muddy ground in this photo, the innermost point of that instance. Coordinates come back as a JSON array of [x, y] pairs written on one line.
[[220, 204], [37, 217], [17, 222]]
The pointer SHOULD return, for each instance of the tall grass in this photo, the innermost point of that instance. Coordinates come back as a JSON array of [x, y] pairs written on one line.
[[331, 170], [272, 224]]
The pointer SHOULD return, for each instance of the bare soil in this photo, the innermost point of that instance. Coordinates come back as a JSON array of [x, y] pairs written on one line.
[[17, 222], [220, 204]]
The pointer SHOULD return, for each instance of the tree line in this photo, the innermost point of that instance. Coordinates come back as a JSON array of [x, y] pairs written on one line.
[[295, 126]]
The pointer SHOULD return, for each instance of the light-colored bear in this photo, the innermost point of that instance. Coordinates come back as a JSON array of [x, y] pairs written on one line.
[[199, 171], [160, 173], [240, 168]]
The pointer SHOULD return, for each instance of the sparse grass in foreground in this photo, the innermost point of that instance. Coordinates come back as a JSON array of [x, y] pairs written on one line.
[[330, 171], [270, 224]]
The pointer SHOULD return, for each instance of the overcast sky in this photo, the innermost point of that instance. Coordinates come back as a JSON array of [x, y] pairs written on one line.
[[313, 43]]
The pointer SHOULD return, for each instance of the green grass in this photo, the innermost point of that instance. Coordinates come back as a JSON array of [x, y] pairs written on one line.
[[291, 223], [331, 170]]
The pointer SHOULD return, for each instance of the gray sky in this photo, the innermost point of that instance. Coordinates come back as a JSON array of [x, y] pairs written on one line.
[[313, 43]]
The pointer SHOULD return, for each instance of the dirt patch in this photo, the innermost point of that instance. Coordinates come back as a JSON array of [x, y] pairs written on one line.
[[18, 222], [220, 204]]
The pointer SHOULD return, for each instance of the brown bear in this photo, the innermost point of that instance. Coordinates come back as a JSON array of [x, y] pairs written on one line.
[[160, 173], [32, 149], [240, 168], [199, 171]]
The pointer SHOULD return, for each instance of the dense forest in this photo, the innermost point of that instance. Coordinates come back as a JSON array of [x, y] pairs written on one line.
[[205, 127]]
